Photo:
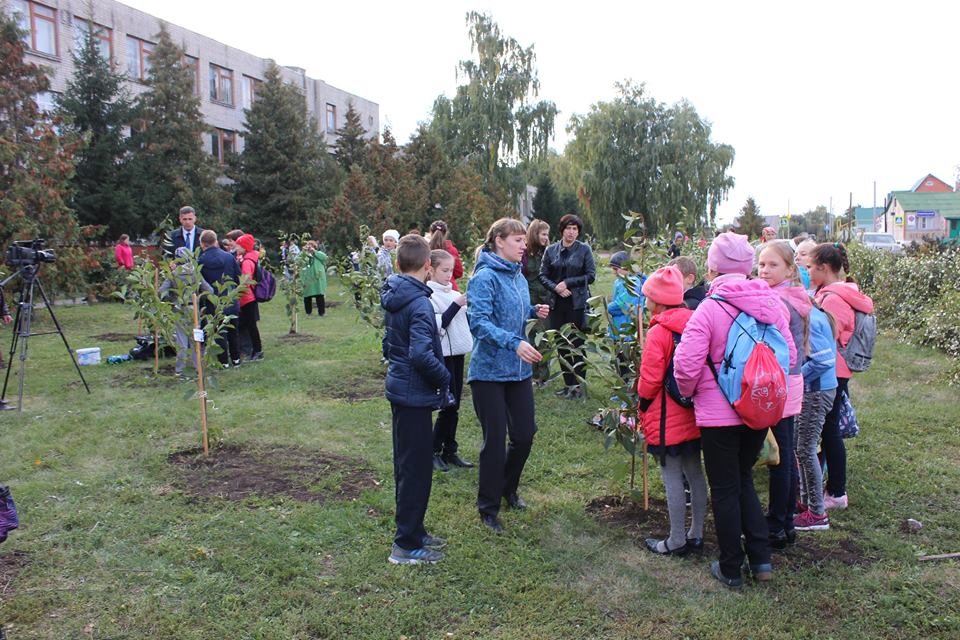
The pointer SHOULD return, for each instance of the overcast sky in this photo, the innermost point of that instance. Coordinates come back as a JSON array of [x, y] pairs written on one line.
[[819, 99]]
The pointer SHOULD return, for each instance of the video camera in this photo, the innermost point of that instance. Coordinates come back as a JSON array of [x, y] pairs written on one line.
[[25, 253]]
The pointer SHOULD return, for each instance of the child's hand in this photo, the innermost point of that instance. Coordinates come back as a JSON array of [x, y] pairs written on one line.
[[462, 301], [543, 310], [528, 354]]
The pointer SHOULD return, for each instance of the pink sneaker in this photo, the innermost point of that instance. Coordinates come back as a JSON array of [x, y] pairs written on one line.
[[809, 521], [829, 502]]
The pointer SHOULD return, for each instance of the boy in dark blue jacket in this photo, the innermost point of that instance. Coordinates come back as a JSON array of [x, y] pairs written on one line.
[[417, 383]]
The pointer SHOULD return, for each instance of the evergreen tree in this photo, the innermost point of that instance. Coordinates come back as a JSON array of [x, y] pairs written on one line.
[[169, 167], [284, 177], [36, 165], [351, 145], [393, 183], [96, 106], [750, 222], [546, 204], [356, 205]]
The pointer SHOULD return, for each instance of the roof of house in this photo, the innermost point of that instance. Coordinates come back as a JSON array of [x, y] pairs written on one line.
[[867, 214], [947, 203], [928, 177]]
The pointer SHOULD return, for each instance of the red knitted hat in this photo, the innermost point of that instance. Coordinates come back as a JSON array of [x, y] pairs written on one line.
[[246, 241], [665, 287]]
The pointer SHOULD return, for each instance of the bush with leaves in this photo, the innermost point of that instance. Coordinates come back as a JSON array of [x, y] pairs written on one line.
[[290, 285], [362, 279]]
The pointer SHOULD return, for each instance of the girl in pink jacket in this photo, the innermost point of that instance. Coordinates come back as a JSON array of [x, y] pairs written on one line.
[[778, 269], [838, 295], [729, 447]]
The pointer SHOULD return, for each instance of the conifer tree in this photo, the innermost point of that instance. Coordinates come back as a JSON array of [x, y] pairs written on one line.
[[284, 177], [36, 165], [355, 206], [546, 204], [395, 188], [169, 167], [97, 107], [750, 222], [351, 145]]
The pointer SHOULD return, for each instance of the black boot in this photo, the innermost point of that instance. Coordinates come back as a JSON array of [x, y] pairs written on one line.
[[439, 464], [455, 459]]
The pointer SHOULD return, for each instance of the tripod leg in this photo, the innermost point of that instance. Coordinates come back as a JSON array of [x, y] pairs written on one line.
[[46, 301], [26, 316], [13, 349]]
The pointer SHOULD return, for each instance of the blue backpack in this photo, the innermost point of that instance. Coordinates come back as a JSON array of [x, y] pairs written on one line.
[[749, 376]]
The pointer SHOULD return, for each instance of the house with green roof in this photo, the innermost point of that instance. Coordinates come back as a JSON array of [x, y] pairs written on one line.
[[913, 216], [868, 218]]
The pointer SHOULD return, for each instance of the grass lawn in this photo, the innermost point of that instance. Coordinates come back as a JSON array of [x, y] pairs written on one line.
[[115, 543]]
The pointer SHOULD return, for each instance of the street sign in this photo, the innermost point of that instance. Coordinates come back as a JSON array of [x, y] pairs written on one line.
[[784, 222], [926, 214], [898, 220], [911, 220]]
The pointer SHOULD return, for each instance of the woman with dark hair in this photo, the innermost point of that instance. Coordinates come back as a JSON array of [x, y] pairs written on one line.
[[567, 271], [538, 237], [439, 240], [838, 295]]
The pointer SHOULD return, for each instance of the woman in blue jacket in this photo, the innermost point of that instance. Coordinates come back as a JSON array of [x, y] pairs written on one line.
[[500, 372]]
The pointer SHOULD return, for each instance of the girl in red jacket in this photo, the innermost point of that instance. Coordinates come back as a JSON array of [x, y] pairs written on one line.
[[670, 429]]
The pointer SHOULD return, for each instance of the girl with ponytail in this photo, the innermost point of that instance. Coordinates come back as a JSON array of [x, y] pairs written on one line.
[[837, 293]]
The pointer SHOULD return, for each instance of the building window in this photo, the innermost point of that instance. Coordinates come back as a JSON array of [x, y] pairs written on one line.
[[138, 58], [40, 24], [194, 65], [46, 102], [102, 35], [221, 85], [249, 91], [331, 117], [223, 143]]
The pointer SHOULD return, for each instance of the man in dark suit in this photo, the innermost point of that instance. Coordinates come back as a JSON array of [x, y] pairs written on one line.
[[187, 235], [216, 265]]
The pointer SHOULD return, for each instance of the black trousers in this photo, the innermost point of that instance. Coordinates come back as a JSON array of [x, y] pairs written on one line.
[[227, 340], [249, 316], [321, 304], [445, 429], [505, 410], [412, 472], [784, 479], [571, 356], [834, 449], [729, 454]]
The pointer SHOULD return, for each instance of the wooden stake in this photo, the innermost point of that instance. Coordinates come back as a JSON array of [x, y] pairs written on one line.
[[942, 556], [156, 335], [646, 484], [202, 392]]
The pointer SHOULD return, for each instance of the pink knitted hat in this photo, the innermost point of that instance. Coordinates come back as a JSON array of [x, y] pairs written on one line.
[[730, 253], [665, 287]]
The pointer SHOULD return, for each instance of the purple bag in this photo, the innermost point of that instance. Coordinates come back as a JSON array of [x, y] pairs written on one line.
[[8, 513], [848, 418]]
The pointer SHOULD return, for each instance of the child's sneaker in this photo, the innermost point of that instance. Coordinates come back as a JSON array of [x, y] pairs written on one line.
[[423, 555], [829, 502], [809, 521]]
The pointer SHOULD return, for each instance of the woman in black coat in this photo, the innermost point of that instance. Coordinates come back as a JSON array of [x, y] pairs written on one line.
[[567, 271]]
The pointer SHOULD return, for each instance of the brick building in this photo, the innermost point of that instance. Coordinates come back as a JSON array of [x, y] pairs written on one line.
[[225, 78]]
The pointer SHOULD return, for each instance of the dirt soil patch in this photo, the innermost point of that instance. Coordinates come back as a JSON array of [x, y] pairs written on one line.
[[298, 338], [236, 473], [115, 337], [11, 565], [627, 514], [356, 387]]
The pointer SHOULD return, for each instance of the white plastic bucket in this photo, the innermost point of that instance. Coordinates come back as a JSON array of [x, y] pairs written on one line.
[[88, 356]]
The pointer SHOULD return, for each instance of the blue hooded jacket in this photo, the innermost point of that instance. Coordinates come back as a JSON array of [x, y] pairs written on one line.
[[416, 376], [623, 307], [820, 367], [498, 310]]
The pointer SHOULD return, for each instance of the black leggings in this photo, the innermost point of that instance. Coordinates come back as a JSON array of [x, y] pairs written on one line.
[[834, 450], [574, 369], [445, 428], [249, 316], [505, 410], [321, 304]]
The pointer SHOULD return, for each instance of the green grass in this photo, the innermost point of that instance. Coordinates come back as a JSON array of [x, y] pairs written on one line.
[[115, 553]]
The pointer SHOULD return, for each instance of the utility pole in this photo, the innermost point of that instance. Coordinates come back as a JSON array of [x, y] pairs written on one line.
[[873, 216]]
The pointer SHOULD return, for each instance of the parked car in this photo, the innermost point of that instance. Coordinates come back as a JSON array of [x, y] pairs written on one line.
[[882, 241]]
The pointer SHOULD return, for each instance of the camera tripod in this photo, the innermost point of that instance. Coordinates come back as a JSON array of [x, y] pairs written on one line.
[[29, 280]]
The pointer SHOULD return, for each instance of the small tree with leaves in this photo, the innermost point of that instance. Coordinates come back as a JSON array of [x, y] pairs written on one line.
[[290, 284]]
